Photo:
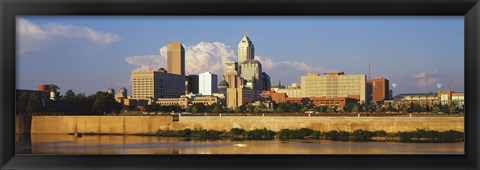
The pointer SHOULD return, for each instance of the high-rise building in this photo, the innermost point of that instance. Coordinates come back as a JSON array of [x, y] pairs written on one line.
[[380, 89], [251, 71], [231, 66], [157, 84], [192, 84], [246, 50], [266, 81], [333, 85], [176, 58], [239, 96], [207, 83]]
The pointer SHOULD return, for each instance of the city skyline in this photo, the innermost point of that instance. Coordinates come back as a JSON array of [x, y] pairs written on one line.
[[439, 61]]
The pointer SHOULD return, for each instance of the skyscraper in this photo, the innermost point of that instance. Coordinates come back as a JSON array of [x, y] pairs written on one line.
[[251, 71], [207, 83], [176, 58], [192, 86], [246, 50], [380, 89], [231, 66]]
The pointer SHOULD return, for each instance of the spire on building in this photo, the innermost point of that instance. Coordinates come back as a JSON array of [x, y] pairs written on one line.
[[245, 31]]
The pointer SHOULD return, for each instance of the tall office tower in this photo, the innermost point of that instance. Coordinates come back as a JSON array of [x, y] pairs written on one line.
[[176, 58], [207, 83], [333, 85], [251, 71], [380, 89], [232, 79], [266, 81], [231, 66], [246, 50], [192, 84], [157, 84]]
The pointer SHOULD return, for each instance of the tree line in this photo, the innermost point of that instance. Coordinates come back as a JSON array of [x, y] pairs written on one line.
[[38, 103]]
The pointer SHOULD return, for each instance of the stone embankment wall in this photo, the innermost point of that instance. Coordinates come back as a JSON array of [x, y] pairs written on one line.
[[150, 124]]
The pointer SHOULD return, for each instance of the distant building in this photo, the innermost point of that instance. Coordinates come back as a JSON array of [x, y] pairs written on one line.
[[246, 50], [335, 84], [157, 84], [111, 91], [43, 87], [416, 98], [337, 102], [222, 86], [207, 83], [182, 102], [176, 58], [380, 89], [251, 71], [266, 81], [239, 96], [231, 67], [275, 97], [450, 97], [192, 84], [291, 92], [186, 101]]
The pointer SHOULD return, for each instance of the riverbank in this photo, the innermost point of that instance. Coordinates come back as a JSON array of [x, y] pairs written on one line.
[[151, 124], [359, 135]]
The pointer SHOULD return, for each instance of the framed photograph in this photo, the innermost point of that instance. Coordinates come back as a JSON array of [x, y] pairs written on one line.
[[239, 85]]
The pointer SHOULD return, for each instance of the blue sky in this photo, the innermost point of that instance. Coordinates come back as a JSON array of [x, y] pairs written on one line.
[[88, 54]]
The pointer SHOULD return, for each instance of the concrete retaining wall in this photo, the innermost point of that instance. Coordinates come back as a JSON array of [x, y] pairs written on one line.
[[150, 124]]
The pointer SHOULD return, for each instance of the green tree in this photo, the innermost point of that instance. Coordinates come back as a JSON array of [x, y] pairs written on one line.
[[34, 104], [304, 109], [250, 108], [104, 103], [436, 108], [217, 109], [257, 109], [279, 110], [452, 109], [355, 109], [378, 108], [70, 95], [236, 110]]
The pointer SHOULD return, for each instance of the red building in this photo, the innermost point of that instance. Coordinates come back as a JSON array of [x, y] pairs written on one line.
[[338, 102], [276, 97], [380, 89]]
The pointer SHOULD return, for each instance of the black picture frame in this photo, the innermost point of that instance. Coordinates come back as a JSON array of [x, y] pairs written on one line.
[[470, 9]]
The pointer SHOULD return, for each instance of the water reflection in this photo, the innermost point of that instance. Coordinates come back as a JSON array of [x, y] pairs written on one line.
[[69, 144]]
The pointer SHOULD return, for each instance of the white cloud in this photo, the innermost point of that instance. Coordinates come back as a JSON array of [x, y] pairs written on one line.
[[427, 78], [198, 58], [211, 56], [269, 64], [34, 37]]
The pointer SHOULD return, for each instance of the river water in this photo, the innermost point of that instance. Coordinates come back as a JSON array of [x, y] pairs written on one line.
[[69, 144]]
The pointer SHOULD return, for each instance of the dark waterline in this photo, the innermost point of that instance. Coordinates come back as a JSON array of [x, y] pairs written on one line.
[[68, 144]]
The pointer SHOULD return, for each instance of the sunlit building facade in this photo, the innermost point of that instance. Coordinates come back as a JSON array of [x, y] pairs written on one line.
[[335, 84]]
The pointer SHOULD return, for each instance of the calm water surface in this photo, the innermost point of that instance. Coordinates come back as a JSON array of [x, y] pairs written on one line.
[[68, 144]]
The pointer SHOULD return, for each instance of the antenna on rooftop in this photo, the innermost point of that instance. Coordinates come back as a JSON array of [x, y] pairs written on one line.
[[369, 74]]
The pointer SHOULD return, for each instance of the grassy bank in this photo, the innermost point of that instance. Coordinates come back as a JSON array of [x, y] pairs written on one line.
[[359, 135]]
